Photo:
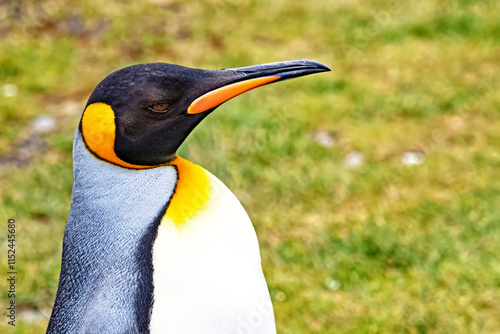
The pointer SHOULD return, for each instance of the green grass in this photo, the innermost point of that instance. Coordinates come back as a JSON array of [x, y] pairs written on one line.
[[381, 248]]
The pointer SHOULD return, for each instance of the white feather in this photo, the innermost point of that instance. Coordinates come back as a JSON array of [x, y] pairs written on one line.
[[207, 274]]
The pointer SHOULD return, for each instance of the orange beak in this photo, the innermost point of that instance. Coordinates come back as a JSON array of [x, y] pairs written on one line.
[[218, 96]]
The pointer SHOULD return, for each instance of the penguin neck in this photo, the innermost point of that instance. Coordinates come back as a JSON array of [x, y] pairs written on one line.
[[106, 272]]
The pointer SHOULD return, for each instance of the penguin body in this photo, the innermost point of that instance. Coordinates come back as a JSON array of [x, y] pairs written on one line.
[[155, 243]]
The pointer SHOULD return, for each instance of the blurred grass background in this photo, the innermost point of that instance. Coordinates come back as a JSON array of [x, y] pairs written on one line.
[[374, 189]]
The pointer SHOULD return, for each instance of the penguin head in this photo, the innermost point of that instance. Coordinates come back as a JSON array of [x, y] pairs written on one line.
[[137, 117]]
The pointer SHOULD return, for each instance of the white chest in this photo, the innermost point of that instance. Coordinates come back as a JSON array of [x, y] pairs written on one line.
[[207, 272]]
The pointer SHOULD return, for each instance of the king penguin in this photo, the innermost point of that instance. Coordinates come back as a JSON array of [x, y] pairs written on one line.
[[153, 242]]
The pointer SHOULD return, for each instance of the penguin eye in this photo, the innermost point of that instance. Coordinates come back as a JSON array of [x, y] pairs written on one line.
[[159, 107]]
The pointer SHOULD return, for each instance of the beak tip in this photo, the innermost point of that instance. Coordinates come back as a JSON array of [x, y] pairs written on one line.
[[317, 65], [324, 67]]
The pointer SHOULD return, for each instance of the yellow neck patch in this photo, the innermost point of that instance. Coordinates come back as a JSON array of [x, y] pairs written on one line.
[[191, 194], [99, 132]]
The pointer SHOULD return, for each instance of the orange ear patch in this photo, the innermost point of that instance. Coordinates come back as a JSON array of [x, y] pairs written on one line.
[[99, 132], [191, 195]]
